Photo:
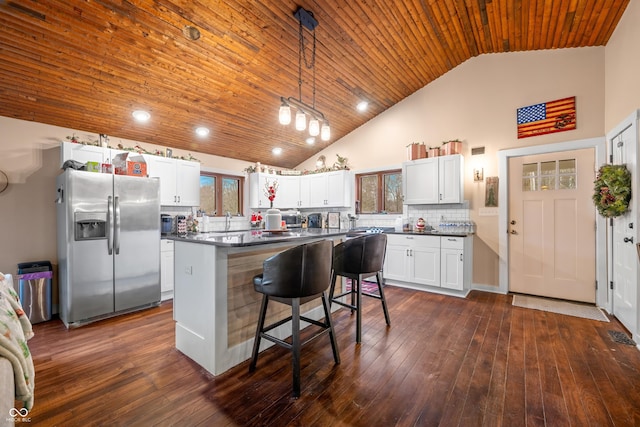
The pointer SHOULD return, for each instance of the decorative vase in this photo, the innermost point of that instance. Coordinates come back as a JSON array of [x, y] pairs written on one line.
[[273, 220]]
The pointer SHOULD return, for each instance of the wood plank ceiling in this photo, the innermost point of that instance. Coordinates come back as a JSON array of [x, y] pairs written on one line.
[[87, 64]]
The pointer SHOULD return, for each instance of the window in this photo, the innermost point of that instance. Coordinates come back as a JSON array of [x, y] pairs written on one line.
[[552, 175], [220, 194], [380, 192]]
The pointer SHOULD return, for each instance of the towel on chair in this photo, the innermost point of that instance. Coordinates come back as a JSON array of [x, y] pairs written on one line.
[[15, 330]]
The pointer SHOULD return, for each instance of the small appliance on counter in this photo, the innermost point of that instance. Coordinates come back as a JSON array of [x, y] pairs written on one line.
[[314, 220], [292, 219], [166, 224]]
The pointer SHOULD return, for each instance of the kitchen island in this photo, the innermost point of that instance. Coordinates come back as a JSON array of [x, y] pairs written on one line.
[[215, 305]]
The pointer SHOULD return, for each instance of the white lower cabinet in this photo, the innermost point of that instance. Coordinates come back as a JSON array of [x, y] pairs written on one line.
[[436, 263], [166, 269], [452, 263]]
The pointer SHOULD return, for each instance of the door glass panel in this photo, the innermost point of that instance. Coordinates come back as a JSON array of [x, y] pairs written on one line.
[[548, 183], [567, 174], [548, 168], [568, 166], [529, 178], [567, 182]]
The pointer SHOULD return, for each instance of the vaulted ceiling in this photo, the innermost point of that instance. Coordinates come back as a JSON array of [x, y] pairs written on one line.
[[87, 64]]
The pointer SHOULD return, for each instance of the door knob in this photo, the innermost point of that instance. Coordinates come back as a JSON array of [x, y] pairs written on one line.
[[628, 239], [514, 232], [513, 222]]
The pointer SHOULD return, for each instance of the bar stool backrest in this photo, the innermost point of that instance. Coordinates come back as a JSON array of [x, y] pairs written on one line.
[[363, 254], [298, 272]]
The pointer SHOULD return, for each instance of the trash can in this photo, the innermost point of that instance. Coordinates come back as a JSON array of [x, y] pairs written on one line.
[[35, 289]]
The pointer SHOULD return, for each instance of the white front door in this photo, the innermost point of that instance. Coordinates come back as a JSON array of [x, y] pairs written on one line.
[[624, 258], [552, 225]]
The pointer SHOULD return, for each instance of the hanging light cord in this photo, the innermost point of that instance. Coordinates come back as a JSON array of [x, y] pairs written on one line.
[[302, 55]]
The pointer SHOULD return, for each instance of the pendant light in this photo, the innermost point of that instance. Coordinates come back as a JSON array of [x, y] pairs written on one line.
[[285, 114], [307, 21]]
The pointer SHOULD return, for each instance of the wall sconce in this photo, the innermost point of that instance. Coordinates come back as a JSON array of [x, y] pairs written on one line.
[[478, 175]]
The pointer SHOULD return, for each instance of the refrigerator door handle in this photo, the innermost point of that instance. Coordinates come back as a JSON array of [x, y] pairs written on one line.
[[116, 225], [110, 225]]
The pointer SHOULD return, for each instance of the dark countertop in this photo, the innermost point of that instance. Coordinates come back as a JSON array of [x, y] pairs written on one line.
[[256, 237], [433, 233]]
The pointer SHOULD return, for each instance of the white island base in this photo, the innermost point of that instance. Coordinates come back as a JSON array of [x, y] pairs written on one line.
[[216, 307]]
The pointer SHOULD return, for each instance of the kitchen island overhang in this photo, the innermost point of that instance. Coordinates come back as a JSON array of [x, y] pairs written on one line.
[[215, 304]]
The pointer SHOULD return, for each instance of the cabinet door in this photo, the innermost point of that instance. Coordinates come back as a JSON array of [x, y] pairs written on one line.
[[166, 265], [452, 269], [82, 153], [425, 259], [420, 181], [450, 179], [187, 183], [165, 169], [396, 262], [337, 189], [288, 194], [305, 192], [318, 190]]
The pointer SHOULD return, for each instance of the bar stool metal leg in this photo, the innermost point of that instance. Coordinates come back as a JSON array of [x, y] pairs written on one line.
[[384, 300], [256, 341], [295, 344]]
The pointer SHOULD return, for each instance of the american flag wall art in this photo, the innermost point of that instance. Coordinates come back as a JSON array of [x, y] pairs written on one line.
[[548, 117]]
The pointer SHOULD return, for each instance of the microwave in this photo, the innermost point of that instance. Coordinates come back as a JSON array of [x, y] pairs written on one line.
[[292, 219]]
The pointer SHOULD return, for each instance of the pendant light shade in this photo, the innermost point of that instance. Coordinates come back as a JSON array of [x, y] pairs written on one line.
[[301, 120], [325, 132], [314, 127], [285, 114]]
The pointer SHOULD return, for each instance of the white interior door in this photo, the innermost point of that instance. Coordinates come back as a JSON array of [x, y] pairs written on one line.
[[624, 258], [552, 225]]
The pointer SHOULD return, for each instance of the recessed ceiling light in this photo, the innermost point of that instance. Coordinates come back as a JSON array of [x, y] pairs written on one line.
[[362, 105], [202, 131], [311, 140], [277, 151], [141, 115]]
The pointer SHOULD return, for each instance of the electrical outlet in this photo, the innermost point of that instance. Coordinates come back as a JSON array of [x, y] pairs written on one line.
[[188, 270]]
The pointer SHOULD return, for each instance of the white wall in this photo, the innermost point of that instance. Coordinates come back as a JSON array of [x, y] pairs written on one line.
[[476, 103], [622, 68]]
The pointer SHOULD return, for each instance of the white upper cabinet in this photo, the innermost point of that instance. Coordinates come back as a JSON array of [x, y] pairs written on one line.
[[320, 190], [179, 180], [86, 153], [257, 191], [434, 180], [330, 189], [288, 194]]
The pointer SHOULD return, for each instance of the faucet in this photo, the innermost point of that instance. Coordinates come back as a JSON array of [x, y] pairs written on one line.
[[227, 221]]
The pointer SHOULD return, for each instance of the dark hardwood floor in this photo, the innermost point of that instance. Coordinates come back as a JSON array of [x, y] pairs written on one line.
[[444, 361]]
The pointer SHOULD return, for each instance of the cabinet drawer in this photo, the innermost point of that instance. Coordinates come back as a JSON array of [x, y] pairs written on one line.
[[452, 242], [166, 245]]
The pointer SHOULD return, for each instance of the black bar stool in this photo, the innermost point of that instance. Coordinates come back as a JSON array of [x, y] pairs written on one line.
[[294, 277], [358, 259]]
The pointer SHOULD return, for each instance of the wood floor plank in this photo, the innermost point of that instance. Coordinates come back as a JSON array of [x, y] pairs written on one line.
[[444, 361]]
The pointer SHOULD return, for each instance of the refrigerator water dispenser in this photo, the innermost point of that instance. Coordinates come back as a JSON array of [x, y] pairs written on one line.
[[90, 225]]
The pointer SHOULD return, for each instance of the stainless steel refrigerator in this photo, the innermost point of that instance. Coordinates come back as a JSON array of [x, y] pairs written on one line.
[[108, 244]]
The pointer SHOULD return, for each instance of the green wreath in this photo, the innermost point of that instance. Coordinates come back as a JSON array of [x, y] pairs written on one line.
[[612, 190]]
